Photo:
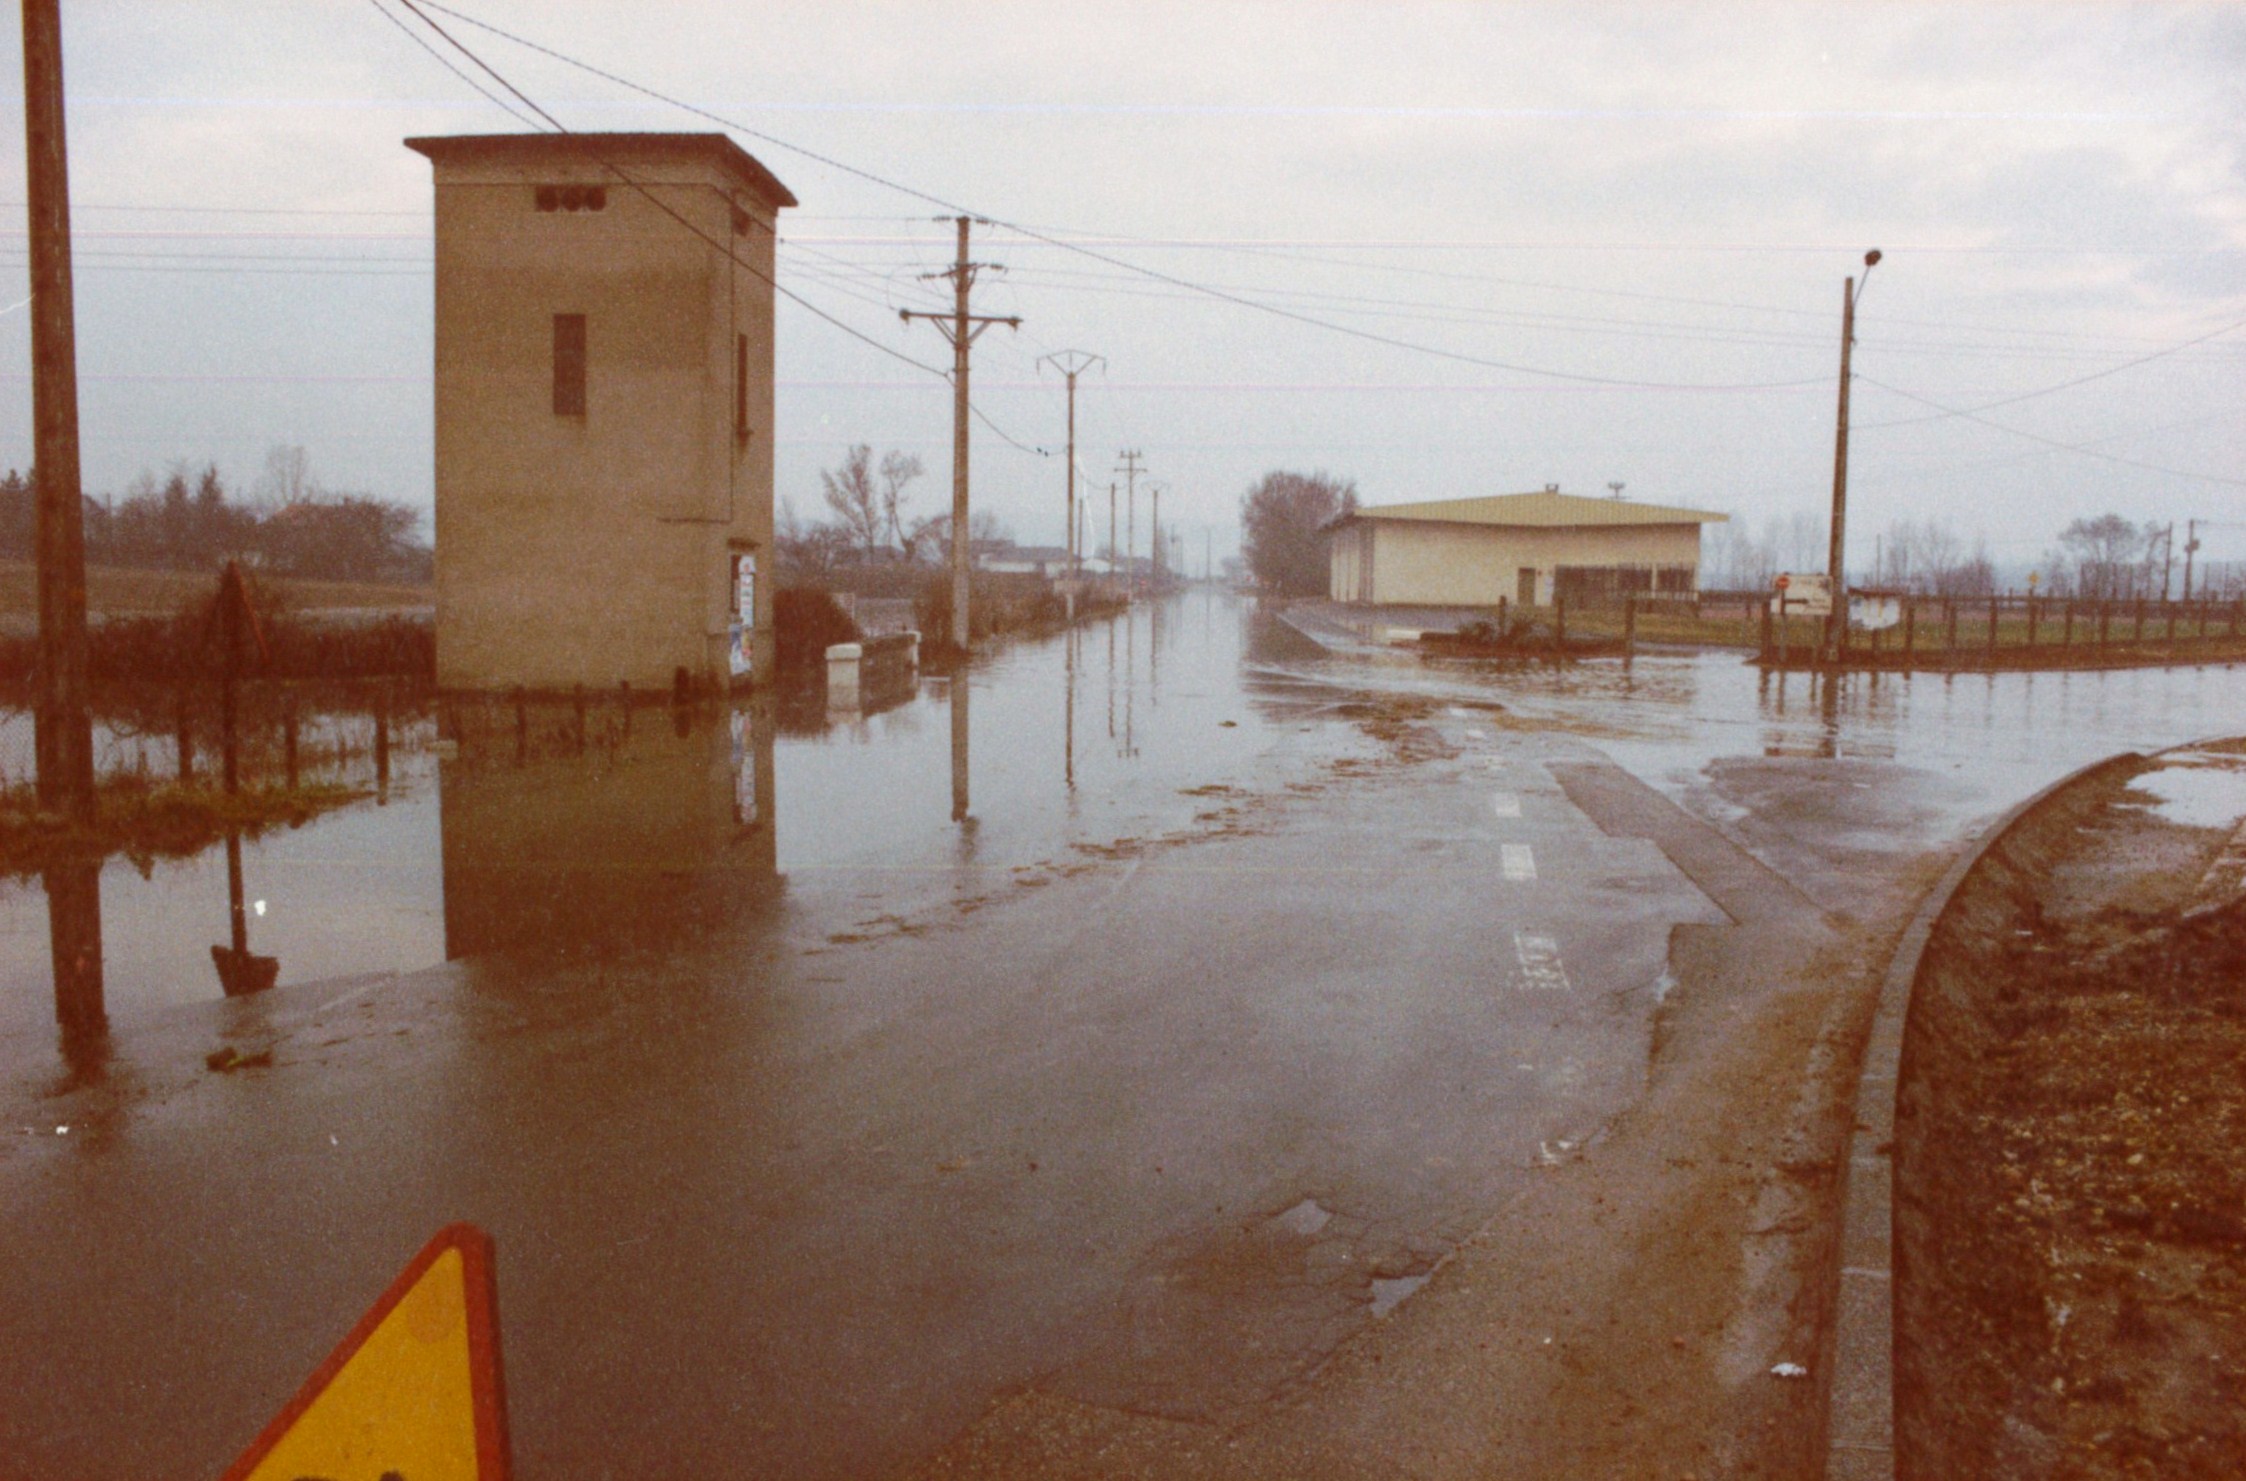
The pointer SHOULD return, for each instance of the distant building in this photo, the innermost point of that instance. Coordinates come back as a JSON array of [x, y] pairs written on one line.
[[603, 409], [1524, 548], [1021, 560]]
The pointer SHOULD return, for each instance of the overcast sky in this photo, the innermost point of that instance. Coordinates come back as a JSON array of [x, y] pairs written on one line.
[[1623, 228]]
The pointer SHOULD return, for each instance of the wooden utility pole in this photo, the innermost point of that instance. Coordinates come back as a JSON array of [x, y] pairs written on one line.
[[64, 729], [63, 739], [2191, 548], [1111, 529], [1836, 625], [1130, 470], [1073, 363], [961, 329]]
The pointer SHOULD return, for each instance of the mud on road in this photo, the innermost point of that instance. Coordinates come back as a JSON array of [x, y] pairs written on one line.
[[2071, 1174]]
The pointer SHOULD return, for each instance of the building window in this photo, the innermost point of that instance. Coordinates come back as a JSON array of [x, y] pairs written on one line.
[[740, 388], [569, 365], [571, 197]]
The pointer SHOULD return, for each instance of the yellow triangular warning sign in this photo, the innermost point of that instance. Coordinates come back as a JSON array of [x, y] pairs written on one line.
[[412, 1394]]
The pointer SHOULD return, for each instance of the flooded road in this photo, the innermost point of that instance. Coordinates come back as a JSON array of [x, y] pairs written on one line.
[[813, 1123], [1084, 739]]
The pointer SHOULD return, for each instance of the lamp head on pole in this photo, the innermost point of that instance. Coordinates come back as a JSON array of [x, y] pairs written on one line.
[[1871, 258]]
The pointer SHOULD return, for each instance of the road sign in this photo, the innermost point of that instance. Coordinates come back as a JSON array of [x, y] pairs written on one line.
[[413, 1393], [1803, 594]]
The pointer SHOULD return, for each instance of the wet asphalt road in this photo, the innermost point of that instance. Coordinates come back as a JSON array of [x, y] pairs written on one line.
[[794, 1171]]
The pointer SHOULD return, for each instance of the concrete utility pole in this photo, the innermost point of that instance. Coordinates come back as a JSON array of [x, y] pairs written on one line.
[[1156, 555], [2191, 548], [64, 740], [962, 329], [1130, 470], [1073, 363], [1836, 625], [2167, 558], [1111, 529]]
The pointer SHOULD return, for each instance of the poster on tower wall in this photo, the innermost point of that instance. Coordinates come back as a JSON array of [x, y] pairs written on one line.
[[744, 615]]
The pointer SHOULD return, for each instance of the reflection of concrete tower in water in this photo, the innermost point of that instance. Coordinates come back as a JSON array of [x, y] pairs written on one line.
[[656, 826]]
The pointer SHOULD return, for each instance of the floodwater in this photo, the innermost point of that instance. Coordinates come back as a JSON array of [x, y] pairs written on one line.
[[1081, 739], [1076, 741]]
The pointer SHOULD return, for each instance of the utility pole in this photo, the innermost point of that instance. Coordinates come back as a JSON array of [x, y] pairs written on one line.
[[1156, 555], [64, 741], [1111, 529], [1130, 469], [961, 329], [1072, 363], [2191, 548], [2167, 557], [1836, 625], [1615, 488]]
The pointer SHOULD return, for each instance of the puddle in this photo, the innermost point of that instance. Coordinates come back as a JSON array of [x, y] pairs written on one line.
[[1390, 1294], [1304, 1219], [2196, 792]]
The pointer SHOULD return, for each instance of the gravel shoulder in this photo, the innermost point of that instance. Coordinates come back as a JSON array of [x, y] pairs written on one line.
[[2070, 1164]]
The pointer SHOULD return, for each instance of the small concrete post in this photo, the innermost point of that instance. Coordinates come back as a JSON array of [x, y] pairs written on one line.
[[186, 740], [382, 738], [844, 662]]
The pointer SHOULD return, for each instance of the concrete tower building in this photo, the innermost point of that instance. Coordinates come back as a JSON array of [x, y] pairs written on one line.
[[603, 410]]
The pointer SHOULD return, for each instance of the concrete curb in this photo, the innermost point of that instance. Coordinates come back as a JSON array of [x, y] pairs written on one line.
[[1860, 1420]]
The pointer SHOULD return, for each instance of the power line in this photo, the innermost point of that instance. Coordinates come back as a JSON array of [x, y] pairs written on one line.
[[446, 63], [2062, 386], [416, 8], [2085, 451], [1205, 290]]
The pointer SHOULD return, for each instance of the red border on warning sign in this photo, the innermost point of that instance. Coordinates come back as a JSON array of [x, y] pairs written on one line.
[[486, 1381]]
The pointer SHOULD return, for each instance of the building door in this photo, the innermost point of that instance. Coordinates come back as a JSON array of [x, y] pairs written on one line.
[[1526, 595]]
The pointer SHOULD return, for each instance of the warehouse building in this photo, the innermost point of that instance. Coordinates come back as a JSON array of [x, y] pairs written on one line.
[[604, 405], [1525, 549]]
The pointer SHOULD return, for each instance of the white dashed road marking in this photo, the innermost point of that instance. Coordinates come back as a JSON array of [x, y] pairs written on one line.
[[1540, 969], [1505, 805], [1517, 860]]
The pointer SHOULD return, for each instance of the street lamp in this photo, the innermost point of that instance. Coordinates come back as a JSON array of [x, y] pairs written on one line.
[[1836, 623]]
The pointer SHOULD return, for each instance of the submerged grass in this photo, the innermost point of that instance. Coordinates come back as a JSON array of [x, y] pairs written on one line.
[[149, 821]]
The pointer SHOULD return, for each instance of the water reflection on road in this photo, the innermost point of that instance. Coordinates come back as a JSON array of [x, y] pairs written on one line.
[[607, 836], [1083, 738]]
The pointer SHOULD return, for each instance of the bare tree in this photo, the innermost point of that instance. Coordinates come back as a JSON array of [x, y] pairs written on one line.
[[1283, 521], [288, 476], [2106, 553], [852, 495], [897, 470]]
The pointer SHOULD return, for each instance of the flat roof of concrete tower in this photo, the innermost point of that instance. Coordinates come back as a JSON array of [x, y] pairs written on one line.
[[596, 148]]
